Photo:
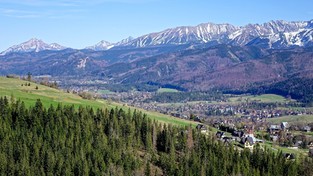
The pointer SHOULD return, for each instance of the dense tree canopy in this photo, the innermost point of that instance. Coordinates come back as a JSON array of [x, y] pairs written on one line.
[[63, 140]]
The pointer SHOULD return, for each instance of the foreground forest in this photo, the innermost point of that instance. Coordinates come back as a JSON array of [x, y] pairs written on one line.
[[64, 140]]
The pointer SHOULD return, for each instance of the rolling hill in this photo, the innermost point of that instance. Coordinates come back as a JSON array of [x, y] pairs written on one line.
[[29, 94]]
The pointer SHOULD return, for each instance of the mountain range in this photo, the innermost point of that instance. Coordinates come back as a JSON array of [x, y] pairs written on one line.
[[274, 34], [203, 57]]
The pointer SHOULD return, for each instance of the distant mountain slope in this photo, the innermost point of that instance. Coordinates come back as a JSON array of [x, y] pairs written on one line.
[[194, 67], [302, 37], [105, 45], [70, 62], [102, 45], [202, 33], [221, 66], [251, 31]]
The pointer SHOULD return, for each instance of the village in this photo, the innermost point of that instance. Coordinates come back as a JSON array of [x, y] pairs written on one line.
[[241, 122], [290, 139]]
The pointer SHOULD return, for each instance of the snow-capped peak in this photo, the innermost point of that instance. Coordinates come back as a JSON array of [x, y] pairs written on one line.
[[32, 45], [310, 24], [105, 45], [125, 41], [201, 33], [102, 45]]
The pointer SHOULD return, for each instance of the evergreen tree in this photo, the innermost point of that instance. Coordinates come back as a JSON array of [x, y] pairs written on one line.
[[62, 140]]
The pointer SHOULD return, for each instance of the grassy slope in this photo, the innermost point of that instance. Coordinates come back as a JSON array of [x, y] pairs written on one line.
[[292, 119], [105, 92], [266, 98], [277, 148], [48, 96], [162, 90], [29, 94]]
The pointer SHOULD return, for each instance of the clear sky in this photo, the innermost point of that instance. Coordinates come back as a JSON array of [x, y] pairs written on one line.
[[81, 23]]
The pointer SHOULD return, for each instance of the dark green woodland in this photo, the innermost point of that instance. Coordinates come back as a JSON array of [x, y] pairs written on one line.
[[63, 140]]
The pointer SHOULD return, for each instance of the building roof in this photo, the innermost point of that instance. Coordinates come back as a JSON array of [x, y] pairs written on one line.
[[219, 134], [250, 140], [284, 125], [201, 127], [274, 127], [254, 138]]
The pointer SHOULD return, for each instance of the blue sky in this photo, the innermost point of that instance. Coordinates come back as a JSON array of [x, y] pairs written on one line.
[[80, 23]]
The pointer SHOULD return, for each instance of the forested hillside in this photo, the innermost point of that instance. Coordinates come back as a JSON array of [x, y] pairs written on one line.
[[64, 141], [300, 89]]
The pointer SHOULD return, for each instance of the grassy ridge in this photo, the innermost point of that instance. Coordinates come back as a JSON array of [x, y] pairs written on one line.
[[48, 96], [13, 87], [292, 119], [265, 98], [162, 90]]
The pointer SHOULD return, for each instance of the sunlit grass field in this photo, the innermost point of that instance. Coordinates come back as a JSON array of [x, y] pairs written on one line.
[[17, 89]]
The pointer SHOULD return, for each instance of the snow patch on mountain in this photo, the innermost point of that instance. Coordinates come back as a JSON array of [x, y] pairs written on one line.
[[102, 45], [82, 63]]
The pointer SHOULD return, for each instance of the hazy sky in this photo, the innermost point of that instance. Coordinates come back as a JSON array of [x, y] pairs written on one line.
[[80, 23]]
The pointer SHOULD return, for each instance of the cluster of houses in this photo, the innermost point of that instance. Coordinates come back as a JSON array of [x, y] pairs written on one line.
[[282, 134], [247, 140]]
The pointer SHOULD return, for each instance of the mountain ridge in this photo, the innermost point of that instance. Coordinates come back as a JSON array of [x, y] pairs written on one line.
[[222, 34], [266, 35], [220, 57]]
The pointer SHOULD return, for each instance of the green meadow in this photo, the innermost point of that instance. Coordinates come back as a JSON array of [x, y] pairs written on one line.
[[265, 98], [162, 90], [17, 89]]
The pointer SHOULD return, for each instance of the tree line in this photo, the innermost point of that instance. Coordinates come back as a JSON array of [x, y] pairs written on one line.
[[297, 88]]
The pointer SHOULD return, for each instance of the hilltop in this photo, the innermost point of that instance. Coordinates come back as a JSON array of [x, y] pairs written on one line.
[[49, 96]]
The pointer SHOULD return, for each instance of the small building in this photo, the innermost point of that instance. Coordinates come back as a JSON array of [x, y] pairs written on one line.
[[274, 138], [306, 128], [202, 128], [197, 119], [284, 126], [220, 134], [248, 142], [273, 129], [216, 125], [297, 144], [238, 133], [227, 141]]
